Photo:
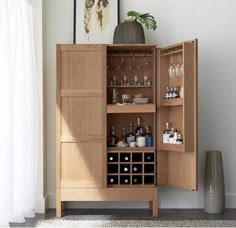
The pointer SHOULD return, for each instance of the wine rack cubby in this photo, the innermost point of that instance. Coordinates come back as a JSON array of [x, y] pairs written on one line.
[[131, 168]]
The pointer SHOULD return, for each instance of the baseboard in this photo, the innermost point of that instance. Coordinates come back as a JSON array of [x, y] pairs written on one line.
[[40, 205], [165, 200]]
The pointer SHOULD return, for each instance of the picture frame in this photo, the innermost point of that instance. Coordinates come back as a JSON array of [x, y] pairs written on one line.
[[95, 21]]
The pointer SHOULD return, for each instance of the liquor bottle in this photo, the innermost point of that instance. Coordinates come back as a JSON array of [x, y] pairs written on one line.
[[179, 139], [149, 142], [112, 139], [171, 138], [123, 135], [137, 130], [130, 137], [141, 139], [175, 136], [166, 133], [167, 92]]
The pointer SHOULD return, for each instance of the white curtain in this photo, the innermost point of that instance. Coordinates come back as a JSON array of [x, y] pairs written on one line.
[[19, 114]]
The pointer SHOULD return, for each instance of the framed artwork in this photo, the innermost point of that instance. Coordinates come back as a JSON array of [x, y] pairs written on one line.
[[95, 21]]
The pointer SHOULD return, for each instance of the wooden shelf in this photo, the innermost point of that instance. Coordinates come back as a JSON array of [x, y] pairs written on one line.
[[131, 149], [172, 102], [131, 108], [171, 147], [130, 87]]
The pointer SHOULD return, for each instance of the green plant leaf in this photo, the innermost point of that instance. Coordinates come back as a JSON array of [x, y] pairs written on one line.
[[145, 19]]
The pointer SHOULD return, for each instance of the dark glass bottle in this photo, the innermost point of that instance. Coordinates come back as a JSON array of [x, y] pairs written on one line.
[[130, 137], [112, 139], [123, 135]]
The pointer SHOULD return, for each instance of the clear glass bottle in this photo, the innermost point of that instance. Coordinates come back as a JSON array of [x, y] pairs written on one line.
[[112, 139], [123, 135], [166, 133], [175, 136], [149, 141], [167, 92], [137, 130], [179, 139], [141, 139], [171, 137], [130, 137]]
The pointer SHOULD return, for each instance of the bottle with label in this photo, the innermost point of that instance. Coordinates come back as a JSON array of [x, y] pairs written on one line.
[[179, 139], [149, 142], [130, 137], [166, 133], [175, 136], [171, 137], [112, 139], [167, 92], [141, 139]]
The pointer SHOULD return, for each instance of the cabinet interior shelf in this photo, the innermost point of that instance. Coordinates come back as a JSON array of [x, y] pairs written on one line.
[[171, 147], [172, 102], [131, 149], [131, 108]]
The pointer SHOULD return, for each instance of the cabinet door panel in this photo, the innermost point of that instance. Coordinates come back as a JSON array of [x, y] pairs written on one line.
[[177, 164], [81, 165], [82, 69], [81, 117]]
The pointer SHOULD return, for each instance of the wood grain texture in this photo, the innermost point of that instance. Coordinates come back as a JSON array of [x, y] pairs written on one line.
[[155, 203], [179, 169], [79, 119], [81, 165], [108, 194], [136, 108]]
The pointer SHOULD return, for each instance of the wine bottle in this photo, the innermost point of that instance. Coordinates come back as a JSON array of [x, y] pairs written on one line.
[[112, 139]]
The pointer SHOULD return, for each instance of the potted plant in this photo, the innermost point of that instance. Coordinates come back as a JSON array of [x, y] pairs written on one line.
[[131, 31]]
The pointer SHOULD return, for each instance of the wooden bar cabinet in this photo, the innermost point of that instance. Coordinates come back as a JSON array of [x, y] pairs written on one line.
[[88, 169]]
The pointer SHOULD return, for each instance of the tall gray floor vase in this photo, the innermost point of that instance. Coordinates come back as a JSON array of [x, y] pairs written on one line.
[[214, 191]]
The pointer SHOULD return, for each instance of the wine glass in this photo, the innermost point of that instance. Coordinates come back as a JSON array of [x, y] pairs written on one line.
[[177, 67], [181, 67], [120, 64], [171, 69], [134, 65]]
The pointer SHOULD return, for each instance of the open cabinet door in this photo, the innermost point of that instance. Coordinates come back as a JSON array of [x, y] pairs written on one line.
[[177, 163]]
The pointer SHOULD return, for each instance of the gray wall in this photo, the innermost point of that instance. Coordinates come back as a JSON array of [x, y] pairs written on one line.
[[213, 23]]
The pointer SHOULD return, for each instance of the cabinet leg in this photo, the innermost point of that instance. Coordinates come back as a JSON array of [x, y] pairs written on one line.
[[155, 204], [58, 204]]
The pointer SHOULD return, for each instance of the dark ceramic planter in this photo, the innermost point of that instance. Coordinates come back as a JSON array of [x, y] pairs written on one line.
[[129, 32], [214, 191]]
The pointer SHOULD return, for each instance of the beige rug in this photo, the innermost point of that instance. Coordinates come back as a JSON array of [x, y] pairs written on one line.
[[135, 223]]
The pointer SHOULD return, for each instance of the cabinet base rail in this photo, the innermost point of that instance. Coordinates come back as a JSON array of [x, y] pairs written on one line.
[[107, 194]]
